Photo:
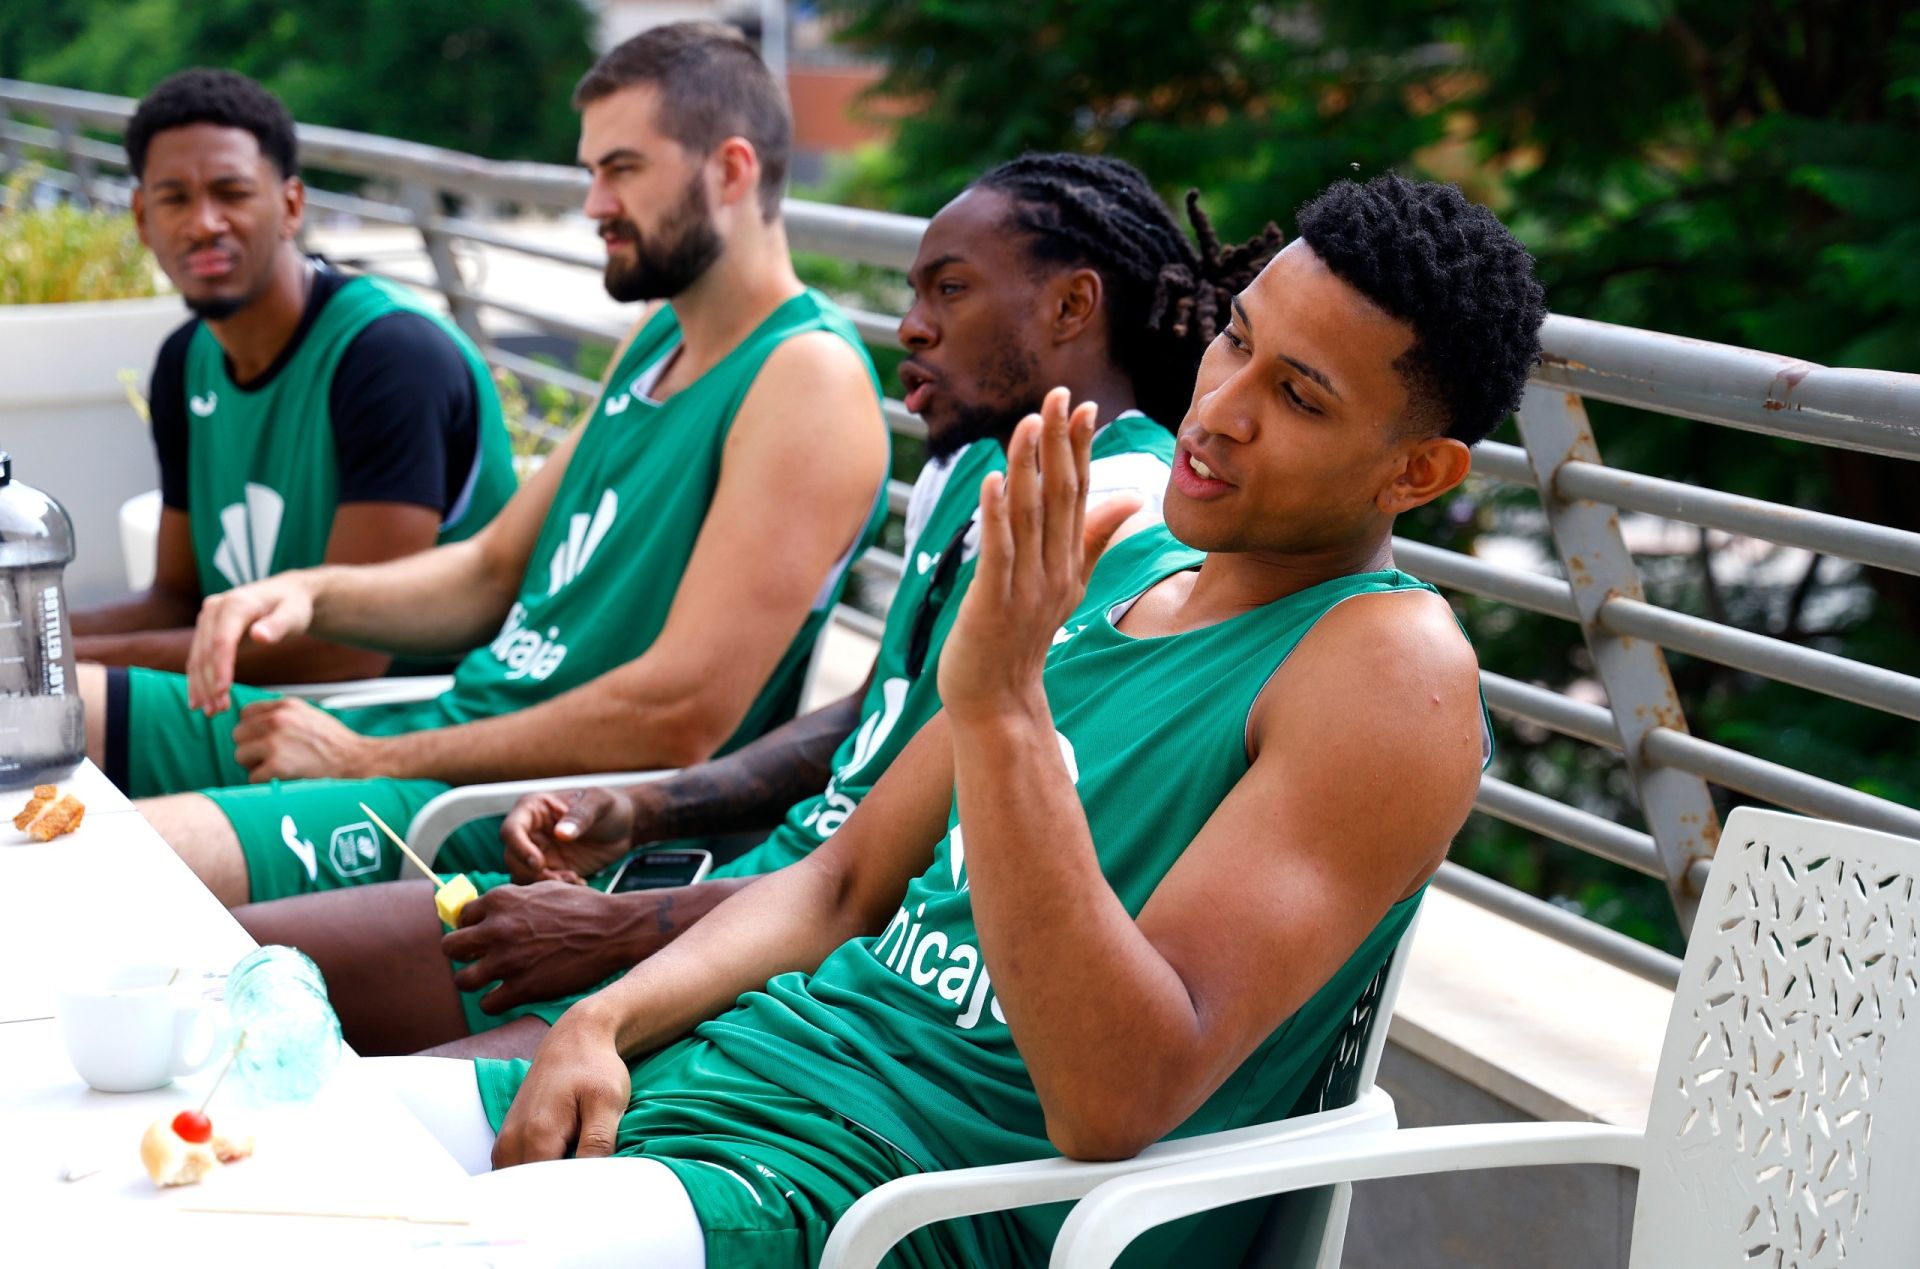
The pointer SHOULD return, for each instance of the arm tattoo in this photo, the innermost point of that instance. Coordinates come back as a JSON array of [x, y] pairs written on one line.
[[752, 787]]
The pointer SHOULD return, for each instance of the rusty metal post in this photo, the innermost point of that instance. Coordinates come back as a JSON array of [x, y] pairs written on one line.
[[424, 203], [1678, 807]]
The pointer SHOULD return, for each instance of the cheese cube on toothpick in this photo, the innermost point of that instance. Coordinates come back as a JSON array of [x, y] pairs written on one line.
[[450, 894]]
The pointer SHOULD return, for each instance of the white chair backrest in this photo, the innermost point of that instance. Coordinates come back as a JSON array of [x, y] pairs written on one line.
[[1785, 1125], [1308, 1229], [1355, 1062]]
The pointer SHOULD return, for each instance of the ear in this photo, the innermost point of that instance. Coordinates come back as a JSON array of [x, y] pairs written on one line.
[[1075, 299], [737, 167], [293, 206], [140, 216], [1430, 467]]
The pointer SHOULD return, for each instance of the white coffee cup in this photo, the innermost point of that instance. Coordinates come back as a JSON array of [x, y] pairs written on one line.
[[137, 1027]]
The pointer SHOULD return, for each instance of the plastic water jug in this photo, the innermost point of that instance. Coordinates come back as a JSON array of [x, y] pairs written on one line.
[[41, 724]]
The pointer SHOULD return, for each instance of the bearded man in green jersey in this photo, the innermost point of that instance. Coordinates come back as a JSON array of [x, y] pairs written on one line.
[[647, 599], [1171, 821], [304, 415], [1051, 269]]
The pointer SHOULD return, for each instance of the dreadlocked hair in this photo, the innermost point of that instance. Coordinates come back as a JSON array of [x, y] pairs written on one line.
[[1165, 298]]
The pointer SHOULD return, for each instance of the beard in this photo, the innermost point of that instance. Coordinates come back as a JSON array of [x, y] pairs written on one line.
[[1007, 393], [684, 247], [217, 308], [970, 423]]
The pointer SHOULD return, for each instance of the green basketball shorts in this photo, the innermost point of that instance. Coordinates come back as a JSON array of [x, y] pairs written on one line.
[[302, 836], [298, 836], [156, 745]]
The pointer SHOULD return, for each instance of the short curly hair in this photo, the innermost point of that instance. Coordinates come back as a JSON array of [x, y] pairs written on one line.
[[224, 97], [1449, 269]]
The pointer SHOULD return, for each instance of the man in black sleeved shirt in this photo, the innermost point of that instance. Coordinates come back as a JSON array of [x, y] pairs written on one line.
[[303, 416]]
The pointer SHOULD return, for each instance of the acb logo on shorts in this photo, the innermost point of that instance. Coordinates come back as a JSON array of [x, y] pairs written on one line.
[[354, 850]]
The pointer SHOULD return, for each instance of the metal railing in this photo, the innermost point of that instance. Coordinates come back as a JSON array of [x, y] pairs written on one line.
[[425, 189]]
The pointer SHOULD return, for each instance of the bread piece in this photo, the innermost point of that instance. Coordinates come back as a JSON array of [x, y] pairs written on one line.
[[42, 794], [49, 817], [170, 1160], [231, 1149]]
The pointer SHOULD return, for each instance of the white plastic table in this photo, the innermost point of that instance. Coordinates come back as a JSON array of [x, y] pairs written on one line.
[[115, 893]]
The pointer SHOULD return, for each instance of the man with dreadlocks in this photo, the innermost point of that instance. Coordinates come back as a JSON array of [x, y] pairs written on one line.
[[1051, 270], [1202, 793]]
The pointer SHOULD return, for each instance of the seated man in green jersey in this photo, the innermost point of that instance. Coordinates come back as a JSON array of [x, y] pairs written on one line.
[[1051, 269], [302, 416], [649, 598], [1129, 883]]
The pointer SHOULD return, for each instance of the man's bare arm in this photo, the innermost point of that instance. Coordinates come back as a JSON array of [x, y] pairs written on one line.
[[791, 919], [574, 1094], [809, 435], [442, 601], [753, 786], [1351, 801], [172, 600], [363, 533], [438, 602], [569, 836]]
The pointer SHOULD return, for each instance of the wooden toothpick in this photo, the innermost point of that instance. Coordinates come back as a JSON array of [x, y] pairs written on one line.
[[405, 849]]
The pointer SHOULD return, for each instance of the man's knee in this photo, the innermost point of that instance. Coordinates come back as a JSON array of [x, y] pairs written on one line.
[[200, 834]]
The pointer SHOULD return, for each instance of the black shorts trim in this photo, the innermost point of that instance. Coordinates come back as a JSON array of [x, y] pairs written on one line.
[[119, 698]]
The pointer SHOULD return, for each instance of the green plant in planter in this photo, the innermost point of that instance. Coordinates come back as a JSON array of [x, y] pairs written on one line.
[[60, 253]]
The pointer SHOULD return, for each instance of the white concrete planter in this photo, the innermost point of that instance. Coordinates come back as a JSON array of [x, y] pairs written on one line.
[[65, 418]]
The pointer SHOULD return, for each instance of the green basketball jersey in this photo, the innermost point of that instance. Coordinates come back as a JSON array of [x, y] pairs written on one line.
[[904, 692], [902, 1034], [624, 520], [263, 475]]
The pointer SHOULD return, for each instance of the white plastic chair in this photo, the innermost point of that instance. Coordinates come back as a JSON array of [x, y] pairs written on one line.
[[350, 693], [140, 538], [1311, 1232], [1788, 1086]]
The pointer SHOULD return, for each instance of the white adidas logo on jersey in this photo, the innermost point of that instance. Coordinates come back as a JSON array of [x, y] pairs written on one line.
[[249, 532], [203, 406], [584, 534]]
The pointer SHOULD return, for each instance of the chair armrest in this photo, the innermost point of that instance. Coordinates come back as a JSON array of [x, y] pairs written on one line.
[[437, 820], [1103, 1224], [399, 691], [872, 1226], [351, 692]]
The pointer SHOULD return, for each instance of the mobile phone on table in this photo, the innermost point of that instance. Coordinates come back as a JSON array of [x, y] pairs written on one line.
[[660, 869]]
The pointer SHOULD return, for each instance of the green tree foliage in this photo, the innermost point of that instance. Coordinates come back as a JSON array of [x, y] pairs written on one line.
[[1733, 170], [490, 77]]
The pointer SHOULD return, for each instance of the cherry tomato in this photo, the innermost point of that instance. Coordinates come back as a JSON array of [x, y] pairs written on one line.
[[191, 1125]]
